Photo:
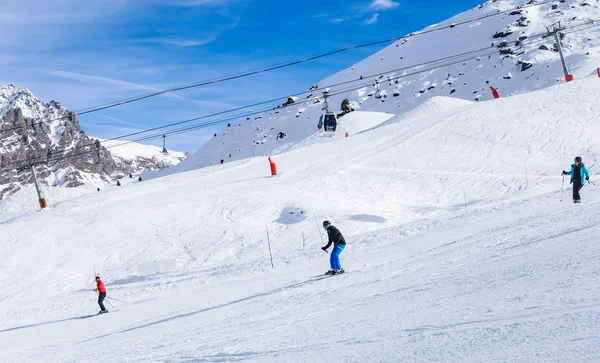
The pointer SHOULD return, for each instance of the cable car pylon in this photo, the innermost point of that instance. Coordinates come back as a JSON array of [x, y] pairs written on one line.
[[165, 145]]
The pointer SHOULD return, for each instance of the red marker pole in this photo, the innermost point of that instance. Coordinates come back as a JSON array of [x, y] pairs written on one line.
[[273, 167], [495, 92]]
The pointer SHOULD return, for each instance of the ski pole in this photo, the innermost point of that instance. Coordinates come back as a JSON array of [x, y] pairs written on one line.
[[562, 188], [111, 305], [356, 259], [112, 298], [318, 228]]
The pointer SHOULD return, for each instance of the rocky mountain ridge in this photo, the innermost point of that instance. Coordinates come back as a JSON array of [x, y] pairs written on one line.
[[34, 132]]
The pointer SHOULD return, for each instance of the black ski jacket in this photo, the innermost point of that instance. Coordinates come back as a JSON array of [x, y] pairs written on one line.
[[335, 237]]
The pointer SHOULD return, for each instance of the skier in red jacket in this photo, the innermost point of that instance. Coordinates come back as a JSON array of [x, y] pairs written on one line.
[[101, 294]]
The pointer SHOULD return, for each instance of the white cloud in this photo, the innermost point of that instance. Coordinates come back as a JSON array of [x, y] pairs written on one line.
[[208, 38], [100, 80], [368, 13], [211, 38], [121, 121], [383, 5], [372, 20], [199, 3], [339, 20]]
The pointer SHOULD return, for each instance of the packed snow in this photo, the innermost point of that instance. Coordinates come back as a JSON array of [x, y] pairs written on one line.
[[459, 249]]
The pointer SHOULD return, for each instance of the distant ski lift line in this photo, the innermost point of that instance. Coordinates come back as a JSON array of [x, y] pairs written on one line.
[[210, 123], [214, 122], [338, 84], [590, 23], [296, 94], [93, 109], [64, 154], [298, 61]]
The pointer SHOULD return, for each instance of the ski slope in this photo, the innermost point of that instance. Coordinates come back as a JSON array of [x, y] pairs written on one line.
[[459, 249], [442, 61]]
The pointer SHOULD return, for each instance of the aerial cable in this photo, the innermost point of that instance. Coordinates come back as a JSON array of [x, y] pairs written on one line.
[[210, 123], [218, 121], [106, 106]]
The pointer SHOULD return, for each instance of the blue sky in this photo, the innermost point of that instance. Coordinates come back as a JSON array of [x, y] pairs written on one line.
[[85, 53]]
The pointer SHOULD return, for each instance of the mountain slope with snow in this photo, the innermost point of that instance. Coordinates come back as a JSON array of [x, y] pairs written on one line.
[[459, 249], [49, 136], [140, 157], [460, 62]]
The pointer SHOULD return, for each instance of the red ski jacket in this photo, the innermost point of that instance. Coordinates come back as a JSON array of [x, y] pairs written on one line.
[[100, 286]]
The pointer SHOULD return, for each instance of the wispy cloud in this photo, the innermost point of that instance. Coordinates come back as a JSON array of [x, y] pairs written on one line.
[[129, 86], [372, 19], [211, 38], [121, 121], [383, 5], [205, 3], [340, 20], [367, 12], [207, 37], [124, 85]]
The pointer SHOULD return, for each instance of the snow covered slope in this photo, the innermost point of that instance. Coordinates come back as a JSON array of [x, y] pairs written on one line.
[[140, 157], [459, 250], [353, 123], [461, 62]]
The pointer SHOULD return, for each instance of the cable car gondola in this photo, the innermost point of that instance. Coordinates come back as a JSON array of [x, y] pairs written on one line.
[[328, 122]]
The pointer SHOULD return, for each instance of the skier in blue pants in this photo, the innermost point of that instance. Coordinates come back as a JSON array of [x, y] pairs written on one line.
[[335, 237]]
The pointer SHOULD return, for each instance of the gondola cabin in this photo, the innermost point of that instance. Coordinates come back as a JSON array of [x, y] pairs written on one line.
[[328, 123]]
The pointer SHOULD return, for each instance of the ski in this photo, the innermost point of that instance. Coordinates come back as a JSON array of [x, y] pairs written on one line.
[[327, 275], [89, 316]]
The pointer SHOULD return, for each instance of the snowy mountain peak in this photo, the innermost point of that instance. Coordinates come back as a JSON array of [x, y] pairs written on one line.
[[5, 91], [23, 100], [32, 129]]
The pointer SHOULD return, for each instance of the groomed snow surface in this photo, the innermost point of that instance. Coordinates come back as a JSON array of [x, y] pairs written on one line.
[[459, 249]]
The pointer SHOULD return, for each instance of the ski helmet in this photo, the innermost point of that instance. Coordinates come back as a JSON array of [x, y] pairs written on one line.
[[326, 224], [578, 159], [97, 277]]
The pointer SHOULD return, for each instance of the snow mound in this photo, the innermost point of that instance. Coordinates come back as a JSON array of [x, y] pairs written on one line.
[[348, 125], [435, 106]]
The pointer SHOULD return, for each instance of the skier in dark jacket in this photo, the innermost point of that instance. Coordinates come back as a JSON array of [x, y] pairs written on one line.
[[335, 237], [101, 294], [579, 175]]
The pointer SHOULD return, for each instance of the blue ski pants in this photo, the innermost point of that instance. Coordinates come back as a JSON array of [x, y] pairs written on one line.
[[334, 259]]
